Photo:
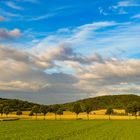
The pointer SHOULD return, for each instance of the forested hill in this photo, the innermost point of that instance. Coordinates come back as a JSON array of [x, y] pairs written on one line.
[[100, 102], [15, 104]]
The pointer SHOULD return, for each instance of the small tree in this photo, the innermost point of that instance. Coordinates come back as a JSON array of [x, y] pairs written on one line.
[[31, 113], [1, 109], [19, 112], [109, 111], [54, 109], [60, 112], [6, 110], [44, 110], [88, 109], [77, 109], [133, 108], [35, 109]]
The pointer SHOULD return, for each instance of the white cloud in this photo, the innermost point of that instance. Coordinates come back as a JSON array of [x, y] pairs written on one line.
[[126, 4], [102, 11], [13, 5], [42, 17], [96, 71], [9, 34], [137, 16]]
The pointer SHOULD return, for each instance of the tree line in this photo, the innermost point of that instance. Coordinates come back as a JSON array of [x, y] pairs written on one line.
[[132, 108]]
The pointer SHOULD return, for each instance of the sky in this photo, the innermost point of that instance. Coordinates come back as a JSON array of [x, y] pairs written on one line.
[[57, 51]]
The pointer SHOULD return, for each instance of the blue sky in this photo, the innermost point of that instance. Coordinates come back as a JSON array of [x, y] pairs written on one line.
[[54, 51]]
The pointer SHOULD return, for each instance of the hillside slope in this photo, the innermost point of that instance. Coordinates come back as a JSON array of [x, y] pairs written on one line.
[[102, 102]]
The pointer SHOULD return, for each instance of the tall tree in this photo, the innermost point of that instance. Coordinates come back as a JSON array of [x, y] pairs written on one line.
[[35, 109], [77, 109], [60, 112], [44, 110], [6, 110], [19, 112], [54, 109], [133, 108], [31, 113], [109, 111], [1, 109], [88, 109]]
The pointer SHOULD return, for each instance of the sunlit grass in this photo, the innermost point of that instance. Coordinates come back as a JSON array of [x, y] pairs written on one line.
[[70, 130]]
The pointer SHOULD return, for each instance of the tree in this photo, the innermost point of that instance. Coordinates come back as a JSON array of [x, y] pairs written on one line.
[[77, 109], [1, 109], [19, 112], [6, 110], [54, 109], [109, 111], [88, 109], [35, 109], [44, 110], [133, 108], [59, 112], [31, 113]]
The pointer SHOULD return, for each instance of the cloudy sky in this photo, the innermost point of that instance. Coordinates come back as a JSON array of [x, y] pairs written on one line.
[[56, 51]]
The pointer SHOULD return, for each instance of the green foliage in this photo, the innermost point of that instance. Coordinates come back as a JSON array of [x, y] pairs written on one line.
[[103, 102], [35, 109], [109, 111], [59, 111], [6, 110], [55, 108], [77, 108], [133, 108], [88, 108], [31, 113], [1, 109], [44, 109], [19, 112]]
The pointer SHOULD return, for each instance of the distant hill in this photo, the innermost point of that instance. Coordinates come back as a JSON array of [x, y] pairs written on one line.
[[16, 104], [100, 102]]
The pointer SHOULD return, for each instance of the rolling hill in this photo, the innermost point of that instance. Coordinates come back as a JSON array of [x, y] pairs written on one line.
[[100, 102]]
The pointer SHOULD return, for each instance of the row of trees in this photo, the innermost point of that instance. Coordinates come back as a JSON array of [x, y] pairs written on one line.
[[132, 108], [6, 110]]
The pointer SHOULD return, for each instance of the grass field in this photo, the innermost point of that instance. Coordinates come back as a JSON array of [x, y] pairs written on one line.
[[70, 130]]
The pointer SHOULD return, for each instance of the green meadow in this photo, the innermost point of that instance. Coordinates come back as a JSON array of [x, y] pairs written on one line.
[[70, 130]]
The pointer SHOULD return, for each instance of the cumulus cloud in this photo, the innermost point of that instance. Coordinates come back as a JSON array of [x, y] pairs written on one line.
[[60, 72], [9, 34]]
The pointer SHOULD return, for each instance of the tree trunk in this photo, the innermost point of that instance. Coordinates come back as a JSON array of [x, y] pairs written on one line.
[[109, 117], [87, 116], [76, 116], [36, 116], [55, 117], [129, 116]]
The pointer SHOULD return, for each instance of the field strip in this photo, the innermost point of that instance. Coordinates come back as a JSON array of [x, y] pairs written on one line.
[[77, 132]]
